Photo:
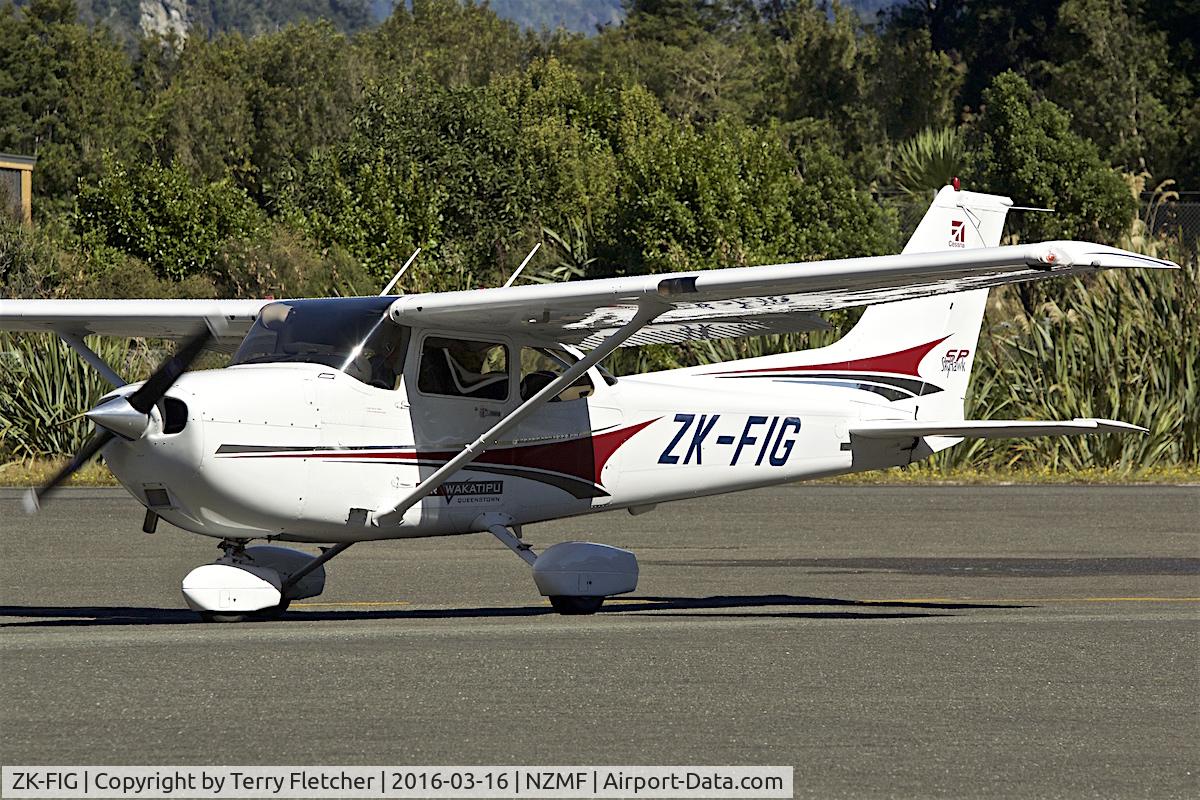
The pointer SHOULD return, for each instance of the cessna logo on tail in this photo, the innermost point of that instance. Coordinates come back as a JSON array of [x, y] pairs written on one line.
[[958, 233]]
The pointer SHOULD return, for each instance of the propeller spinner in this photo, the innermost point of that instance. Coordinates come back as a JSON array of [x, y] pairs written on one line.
[[126, 417]]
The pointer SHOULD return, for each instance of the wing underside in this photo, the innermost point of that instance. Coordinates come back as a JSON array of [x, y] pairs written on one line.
[[713, 304], [227, 320]]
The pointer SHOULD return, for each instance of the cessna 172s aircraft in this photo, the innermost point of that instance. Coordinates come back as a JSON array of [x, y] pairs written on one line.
[[342, 420]]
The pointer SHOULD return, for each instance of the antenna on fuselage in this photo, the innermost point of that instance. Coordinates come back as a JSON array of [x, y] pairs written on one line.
[[400, 274], [517, 273]]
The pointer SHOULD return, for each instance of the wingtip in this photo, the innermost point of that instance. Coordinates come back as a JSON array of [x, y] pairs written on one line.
[[1113, 425], [29, 502], [1078, 253], [1115, 256]]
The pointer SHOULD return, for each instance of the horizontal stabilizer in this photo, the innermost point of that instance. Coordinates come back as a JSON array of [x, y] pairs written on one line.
[[989, 429]]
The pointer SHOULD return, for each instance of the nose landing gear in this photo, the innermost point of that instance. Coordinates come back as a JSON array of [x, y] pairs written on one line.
[[253, 583]]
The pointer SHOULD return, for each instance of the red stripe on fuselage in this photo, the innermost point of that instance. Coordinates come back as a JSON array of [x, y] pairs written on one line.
[[582, 458], [904, 362]]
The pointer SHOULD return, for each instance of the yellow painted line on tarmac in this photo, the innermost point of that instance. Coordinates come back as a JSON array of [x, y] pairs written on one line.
[[611, 600], [1038, 600], [354, 604]]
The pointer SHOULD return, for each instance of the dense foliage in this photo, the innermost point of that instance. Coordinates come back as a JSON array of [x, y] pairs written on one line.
[[292, 149]]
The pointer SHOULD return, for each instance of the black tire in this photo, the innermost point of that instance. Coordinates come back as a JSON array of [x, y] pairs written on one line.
[[262, 615], [568, 604], [274, 612]]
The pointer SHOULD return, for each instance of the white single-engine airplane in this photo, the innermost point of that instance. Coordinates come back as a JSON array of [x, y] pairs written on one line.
[[342, 420]]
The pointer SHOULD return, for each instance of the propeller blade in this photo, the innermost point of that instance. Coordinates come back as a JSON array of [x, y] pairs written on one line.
[[33, 498], [141, 400], [168, 372]]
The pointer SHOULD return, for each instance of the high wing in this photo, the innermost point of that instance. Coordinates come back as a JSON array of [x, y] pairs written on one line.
[[227, 320], [742, 301], [712, 304]]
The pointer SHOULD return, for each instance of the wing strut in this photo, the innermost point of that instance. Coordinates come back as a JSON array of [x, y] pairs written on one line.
[[517, 273], [396, 278], [648, 309], [89, 355]]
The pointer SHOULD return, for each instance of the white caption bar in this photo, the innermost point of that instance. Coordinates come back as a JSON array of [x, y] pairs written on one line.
[[423, 781]]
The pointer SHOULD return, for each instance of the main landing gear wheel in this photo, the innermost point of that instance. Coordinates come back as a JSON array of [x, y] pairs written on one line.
[[570, 604], [262, 615], [569, 567]]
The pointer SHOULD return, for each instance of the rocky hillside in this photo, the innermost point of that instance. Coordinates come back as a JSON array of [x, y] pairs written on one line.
[[128, 18]]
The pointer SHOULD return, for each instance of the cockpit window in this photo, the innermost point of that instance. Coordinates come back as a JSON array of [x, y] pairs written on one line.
[[352, 334], [464, 368]]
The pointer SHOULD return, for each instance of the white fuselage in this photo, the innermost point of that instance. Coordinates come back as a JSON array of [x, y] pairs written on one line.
[[303, 452]]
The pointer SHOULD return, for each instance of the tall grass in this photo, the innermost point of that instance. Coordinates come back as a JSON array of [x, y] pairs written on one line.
[[45, 388], [1121, 345]]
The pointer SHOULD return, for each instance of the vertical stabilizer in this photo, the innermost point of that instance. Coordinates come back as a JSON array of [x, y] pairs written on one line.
[[916, 355], [941, 332], [958, 220]]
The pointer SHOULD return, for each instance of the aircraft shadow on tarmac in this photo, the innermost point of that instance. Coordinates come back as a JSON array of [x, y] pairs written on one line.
[[752, 606], [962, 567]]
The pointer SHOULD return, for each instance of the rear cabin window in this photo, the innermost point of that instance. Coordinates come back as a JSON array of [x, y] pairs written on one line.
[[540, 365], [464, 368]]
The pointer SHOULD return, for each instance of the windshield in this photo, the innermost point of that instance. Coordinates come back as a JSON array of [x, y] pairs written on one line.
[[351, 334]]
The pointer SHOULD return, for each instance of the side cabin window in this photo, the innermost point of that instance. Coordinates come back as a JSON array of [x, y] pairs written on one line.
[[464, 368], [540, 365]]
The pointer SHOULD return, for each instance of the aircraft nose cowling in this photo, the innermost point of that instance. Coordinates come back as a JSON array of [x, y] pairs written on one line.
[[119, 417]]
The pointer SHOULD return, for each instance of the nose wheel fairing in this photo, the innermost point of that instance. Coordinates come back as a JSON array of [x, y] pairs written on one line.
[[252, 580]]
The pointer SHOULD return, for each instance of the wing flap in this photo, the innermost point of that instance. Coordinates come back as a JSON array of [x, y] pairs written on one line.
[[990, 429]]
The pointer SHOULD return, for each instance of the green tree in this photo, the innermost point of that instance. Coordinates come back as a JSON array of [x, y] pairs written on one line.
[[820, 69], [158, 215], [1179, 20], [448, 42], [203, 119], [66, 95], [728, 195], [1023, 146], [262, 16], [443, 168], [1115, 79], [248, 109], [471, 172], [986, 36], [304, 82], [907, 59]]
